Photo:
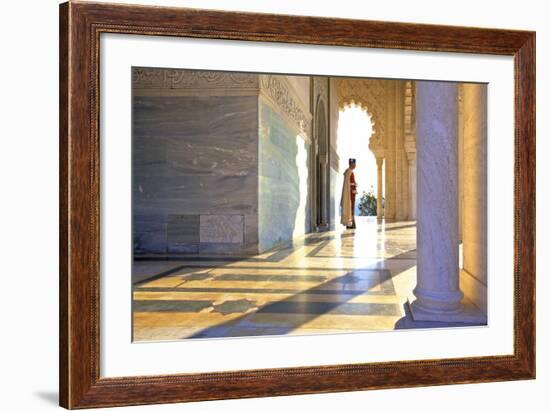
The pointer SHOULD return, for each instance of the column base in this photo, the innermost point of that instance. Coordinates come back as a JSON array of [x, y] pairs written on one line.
[[467, 314]]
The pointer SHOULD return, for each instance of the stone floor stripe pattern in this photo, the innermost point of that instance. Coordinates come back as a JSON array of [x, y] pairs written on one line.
[[332, 282]]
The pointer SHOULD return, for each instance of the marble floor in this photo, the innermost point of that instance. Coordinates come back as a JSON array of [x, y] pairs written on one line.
[[330, 282]]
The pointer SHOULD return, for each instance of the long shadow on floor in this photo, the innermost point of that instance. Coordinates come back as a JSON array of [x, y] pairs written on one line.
[[281, 317], [279, 253]]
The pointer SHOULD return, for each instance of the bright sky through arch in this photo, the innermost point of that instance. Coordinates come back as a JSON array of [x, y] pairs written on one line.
[[354, 132]]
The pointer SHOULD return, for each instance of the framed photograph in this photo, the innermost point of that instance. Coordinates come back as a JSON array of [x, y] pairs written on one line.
[[258, 205]]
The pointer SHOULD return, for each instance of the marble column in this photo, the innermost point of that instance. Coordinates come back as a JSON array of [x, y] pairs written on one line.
[[437, 293], [410, 147], [460, 161], [401, 169], [390, 158], [324, 225], [379, 189], [412, 186]]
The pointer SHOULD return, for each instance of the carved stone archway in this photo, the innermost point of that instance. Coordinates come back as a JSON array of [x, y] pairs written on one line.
[[371, 96]]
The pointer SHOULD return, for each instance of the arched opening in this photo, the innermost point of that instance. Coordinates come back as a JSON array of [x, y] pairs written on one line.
[[355, 128], [320, 172]]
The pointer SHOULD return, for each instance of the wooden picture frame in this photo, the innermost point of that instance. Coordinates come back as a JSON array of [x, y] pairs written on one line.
[[80, 27]]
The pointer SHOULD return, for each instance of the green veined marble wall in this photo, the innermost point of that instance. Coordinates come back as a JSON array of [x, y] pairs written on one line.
[[284, 157], [195, 174]]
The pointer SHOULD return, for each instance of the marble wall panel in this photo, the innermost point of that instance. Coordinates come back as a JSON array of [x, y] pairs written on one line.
[[193, 155], [283, 181], [149, 232], [221, 229], [182, 228]]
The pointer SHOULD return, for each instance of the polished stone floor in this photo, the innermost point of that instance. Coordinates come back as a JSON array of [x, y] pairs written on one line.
[[331, 282]]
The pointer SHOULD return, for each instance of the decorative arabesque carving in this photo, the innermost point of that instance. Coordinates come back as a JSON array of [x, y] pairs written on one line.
[[320, 89], [276, 89], [155, 78]]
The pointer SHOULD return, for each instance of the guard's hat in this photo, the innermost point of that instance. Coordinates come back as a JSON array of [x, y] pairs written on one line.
[[351, 161]]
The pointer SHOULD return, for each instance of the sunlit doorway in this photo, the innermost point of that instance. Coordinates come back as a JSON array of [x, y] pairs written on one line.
[[355, 128]]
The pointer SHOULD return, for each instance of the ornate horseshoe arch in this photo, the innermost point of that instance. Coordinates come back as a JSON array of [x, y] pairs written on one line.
[[370, 95]]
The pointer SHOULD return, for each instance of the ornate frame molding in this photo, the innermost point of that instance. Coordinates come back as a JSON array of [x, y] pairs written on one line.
[[81, 385]]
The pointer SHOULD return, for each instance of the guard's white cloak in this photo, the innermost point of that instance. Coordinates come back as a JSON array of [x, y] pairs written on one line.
[[346, 217]]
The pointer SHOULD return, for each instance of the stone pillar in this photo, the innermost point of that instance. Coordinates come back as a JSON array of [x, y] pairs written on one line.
[[410, 147], [379, 189], [401, 169], [460, 161], [412, 185], [473, 279], [324, 224], [438, 296], [390, 206]]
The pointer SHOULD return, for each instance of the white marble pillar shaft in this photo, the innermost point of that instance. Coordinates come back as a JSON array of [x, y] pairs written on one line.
[[379, 189], [437, 292], [460, 161]]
